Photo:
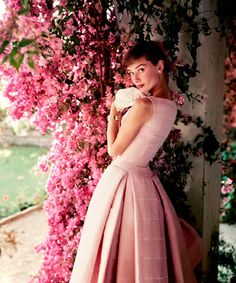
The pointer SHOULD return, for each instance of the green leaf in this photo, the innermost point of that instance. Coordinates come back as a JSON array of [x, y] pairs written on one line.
[[5, 59], [25, 4], [23, 11], [33, 52], [43, 34], [14, 43], [3, 45], [30, 62], [16, 60], [14, 51], [24, 42], [70, 8]]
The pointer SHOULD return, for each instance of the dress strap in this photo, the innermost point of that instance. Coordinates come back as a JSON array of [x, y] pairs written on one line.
[[154, 107]]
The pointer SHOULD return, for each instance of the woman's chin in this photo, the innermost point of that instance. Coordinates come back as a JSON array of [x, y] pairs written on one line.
[[145, 92]]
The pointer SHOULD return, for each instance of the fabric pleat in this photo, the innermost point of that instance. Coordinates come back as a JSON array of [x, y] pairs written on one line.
[[133, 235]]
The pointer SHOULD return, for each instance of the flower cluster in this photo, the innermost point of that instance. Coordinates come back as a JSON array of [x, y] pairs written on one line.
[[228, 204], [228, 191], [68, 91]]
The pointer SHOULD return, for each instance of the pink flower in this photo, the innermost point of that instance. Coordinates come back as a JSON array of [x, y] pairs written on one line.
[[5, 197], [226, 189], [178, 98], [226, 200], [228, 181], [175, 135]]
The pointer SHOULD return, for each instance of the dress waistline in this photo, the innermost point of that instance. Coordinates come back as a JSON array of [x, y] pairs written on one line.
[[132, 168]]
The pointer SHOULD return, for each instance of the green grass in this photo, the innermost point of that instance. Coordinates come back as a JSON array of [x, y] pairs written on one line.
[[18, 180]]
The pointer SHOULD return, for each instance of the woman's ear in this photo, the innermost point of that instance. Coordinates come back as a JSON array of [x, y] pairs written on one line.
[[160, 66]]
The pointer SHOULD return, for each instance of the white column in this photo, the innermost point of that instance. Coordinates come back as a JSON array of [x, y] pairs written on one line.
[[204, 181]]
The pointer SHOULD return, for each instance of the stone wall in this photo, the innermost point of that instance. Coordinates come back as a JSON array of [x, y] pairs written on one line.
[[29, 140]]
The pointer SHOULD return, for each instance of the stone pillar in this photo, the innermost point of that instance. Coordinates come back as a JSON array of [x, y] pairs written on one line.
[[204, 181]]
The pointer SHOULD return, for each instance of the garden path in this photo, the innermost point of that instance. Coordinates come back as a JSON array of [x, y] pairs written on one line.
[[18, 237]]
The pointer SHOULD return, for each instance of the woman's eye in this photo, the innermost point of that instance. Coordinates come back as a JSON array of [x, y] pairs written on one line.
[[141, 70]]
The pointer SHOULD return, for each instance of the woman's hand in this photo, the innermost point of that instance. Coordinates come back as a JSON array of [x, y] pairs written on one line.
[[126, 97]]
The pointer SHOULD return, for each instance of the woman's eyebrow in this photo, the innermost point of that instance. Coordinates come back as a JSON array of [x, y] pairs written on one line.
[[140, 65]]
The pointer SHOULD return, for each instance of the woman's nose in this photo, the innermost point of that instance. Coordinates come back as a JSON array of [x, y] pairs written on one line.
[[136, 78]]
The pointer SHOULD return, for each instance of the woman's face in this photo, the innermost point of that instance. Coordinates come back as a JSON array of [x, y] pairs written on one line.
[[144, 75]]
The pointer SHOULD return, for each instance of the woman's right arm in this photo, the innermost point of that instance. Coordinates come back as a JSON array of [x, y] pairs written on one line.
[[118, 138], [113, 126]]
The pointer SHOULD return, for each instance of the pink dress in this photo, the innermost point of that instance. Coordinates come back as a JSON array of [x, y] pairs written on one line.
[[132, 233]]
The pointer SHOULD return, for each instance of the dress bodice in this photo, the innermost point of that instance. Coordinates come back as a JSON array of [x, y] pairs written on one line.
[[153, 133]]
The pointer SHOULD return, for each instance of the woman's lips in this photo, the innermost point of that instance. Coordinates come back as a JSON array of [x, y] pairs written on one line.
[[140, 86]]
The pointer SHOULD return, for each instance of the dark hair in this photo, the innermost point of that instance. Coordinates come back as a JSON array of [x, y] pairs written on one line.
[[153, 51]]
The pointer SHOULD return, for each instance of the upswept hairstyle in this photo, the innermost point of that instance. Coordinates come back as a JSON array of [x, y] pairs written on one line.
[[151, 50]]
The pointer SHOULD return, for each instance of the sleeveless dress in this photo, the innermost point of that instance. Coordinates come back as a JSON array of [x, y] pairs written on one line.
[[132, 233]]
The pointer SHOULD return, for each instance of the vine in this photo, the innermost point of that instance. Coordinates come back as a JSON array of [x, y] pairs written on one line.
[[227, 26], [170, 20]]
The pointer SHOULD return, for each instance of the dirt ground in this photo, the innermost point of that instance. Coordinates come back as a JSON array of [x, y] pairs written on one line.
[[18, 237]]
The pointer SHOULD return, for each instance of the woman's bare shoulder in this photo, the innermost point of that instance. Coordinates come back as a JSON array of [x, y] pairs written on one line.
[[143, 102], [142, 109]]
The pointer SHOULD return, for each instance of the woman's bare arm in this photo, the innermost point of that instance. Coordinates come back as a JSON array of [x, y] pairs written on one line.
[[118, 138]]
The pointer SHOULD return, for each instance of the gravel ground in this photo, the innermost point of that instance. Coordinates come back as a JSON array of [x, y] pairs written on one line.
[[18, 237]]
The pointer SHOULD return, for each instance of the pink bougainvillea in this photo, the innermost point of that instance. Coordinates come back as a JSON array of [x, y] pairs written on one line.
[[65, 83]]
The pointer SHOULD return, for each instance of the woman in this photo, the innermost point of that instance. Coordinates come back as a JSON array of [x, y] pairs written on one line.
[[132, 233]]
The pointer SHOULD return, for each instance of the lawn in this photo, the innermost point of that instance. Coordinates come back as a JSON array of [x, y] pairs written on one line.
[[17, 177]]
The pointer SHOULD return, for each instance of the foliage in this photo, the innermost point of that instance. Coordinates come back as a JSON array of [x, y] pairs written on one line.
[[67, 55], [228, 188], [168, 19], [23, 202], [174, 161], [69, 92], [226, 262], [228, 149]]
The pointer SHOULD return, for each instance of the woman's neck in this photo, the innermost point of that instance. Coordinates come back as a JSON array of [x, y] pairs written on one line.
[[161, 90]]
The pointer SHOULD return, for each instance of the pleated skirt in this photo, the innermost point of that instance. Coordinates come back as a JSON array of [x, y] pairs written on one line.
[[132, 233]]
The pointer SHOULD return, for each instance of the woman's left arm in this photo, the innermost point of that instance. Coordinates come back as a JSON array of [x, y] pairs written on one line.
[[118, 138]]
